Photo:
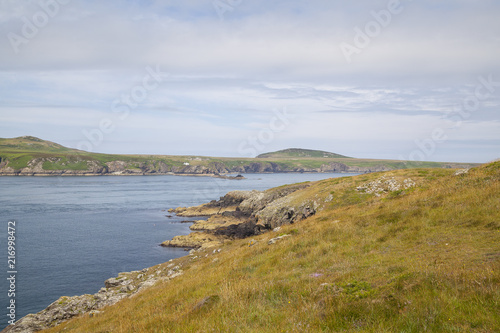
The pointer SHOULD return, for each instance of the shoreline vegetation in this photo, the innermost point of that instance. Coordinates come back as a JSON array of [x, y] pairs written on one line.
[[30, 156], [374, 252]]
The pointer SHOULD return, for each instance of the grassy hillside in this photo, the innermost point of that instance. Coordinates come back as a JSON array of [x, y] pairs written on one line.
[[375, 258], [20, 151], [32, 144], [300, 153], [28, 152]]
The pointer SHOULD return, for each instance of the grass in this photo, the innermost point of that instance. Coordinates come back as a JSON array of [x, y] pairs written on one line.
[[65, 163], [20, 151], [17, 161], [422, 260], [301, 153]]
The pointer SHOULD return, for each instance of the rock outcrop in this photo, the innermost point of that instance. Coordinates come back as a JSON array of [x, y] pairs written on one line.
[[57, 166], [124, 285], [241, 214], [195, 240]]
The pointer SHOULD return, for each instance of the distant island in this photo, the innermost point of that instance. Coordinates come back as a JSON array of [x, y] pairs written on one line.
[[301, 153], [31, 156]]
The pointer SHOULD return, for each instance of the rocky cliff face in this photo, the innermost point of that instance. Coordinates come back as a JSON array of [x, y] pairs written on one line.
[[241, 214], [124, 285], [53, 166]]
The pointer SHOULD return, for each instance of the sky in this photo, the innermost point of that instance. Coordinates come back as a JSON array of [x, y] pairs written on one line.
[[412, 80]]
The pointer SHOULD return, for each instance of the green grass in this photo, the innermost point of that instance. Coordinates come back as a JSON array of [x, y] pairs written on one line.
[[32, 144], [18, 161], [66, 163], [422, 260], [301, 153], [20, 151]]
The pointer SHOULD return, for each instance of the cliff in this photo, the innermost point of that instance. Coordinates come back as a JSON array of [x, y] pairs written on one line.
[[29, 156], [54, 166], [241, 214], [125, 285]]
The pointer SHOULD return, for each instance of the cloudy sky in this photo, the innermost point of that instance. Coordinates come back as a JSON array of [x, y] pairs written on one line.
[[376, 79]]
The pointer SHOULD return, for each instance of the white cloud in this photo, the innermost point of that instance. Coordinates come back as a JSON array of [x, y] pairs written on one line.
[[265, 55]]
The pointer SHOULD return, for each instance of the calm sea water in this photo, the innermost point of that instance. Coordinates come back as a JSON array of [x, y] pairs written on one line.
[[72, 233]]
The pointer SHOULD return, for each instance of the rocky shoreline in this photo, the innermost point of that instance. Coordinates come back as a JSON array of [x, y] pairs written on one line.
[[125, 285], [52, 166], [238, 214], [242, 214]]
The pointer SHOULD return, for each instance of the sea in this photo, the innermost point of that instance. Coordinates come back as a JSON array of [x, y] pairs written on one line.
[[69, 234]]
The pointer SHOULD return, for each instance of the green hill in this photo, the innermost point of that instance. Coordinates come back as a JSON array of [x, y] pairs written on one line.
[[32, 144], [422, 256], [300, 153], [28, 156]]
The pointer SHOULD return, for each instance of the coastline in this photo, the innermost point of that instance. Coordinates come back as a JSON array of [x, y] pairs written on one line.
[[66, 173], [233, 216], [125, 285]]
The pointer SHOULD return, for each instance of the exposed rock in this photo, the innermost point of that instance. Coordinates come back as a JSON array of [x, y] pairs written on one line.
[[238, 177], [285, 211], [113, 282], [234, 198], [202, 210], [194, 240], [334, 167], [385, 184], [274, 240], [60, 167], [241, 214], [94, 313], [227, 203], [117, 166], [461, 172], [216, 222], [259, 200], [218, 168], [65, 308], [242, 230]]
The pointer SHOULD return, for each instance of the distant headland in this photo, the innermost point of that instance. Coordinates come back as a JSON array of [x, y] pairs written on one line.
[[31, 156]]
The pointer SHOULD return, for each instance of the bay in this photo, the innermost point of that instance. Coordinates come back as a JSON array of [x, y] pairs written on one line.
[[72, 233]]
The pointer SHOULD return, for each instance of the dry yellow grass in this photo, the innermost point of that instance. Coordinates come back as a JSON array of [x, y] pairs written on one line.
[[425, 259]]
